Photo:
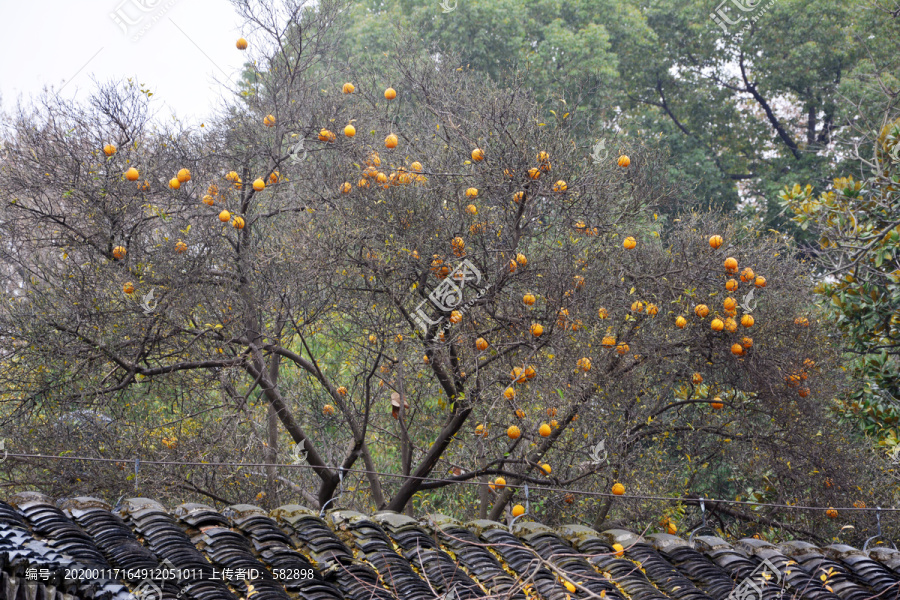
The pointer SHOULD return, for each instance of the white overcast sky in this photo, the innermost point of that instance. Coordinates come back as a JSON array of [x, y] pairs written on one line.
[[182, 46]]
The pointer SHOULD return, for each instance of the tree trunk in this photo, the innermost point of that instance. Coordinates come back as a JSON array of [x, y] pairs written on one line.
[[272, 458]]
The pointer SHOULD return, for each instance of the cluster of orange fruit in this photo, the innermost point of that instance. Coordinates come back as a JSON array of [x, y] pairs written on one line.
[[729, 306], [799, 376], [402, 176]]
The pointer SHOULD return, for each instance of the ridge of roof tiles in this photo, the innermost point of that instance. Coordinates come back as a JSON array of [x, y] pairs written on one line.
[[294, 553]]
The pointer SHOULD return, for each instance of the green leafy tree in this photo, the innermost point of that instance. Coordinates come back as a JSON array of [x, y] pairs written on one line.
[[857, 223]]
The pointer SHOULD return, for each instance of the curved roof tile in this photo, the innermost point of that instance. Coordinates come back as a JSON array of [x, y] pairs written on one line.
[[84, 548]]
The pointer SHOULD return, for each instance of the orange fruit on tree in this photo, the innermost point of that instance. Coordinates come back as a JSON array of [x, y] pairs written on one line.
[[128, 288], [342, 391], [259, 185], [208, 200], [619, 550], [701, 310], [521, 259], [731, 264], [680, 322], [737, 349], [608, 341], [730, 304], [509, 393], [530, 373], [747, 342], [717, 403], [731, 285], [717, 325], [326, 135], [328, 410], [132, 174], [832, 513], [623, 161], [520, 413], [715, 241], [546, 469], [472, 209], [760, 281], [349, 130], [109, 149], [542, 157], [622, 348], [554, 424], [481, 430], [183, 175], [534, 173], [602, 313], [238, 223], [584, 364], [747, 321], [224, 216], [455, 317], [517, 197], [528, 299], [269, 121], [560, 186], [513, 265], [390, 141], [472, 192], [348, 88], [229, 176], [518, 510], [618, 489], [517, 375], [545, 166], [499, 484], [637, 306], [696, 378], [180, 247], [544, 430], [748, 275], [174, 183], [513, 432], [730, 325], [478, 155], [390, 93], [241, 44], [481, 344], [381, 177], [346, 187], [652, 309], [119, 252], [629, 243], [537, 329]]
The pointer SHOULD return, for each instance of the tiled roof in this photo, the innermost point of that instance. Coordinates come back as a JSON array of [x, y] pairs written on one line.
[[291, 552]]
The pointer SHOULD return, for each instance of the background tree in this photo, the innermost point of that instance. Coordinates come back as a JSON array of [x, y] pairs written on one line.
[[742, 113]]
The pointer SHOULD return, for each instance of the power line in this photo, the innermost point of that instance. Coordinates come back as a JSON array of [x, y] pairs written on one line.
[[455, 481]]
